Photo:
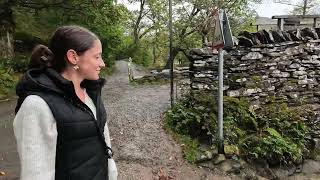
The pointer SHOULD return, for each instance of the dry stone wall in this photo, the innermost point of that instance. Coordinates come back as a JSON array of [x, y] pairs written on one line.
[[264, 65]]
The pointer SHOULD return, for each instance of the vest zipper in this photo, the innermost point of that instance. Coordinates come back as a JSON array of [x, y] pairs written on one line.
[[84, 107]]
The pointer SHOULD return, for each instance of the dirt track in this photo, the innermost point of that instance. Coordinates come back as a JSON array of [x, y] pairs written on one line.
[[9, 162]]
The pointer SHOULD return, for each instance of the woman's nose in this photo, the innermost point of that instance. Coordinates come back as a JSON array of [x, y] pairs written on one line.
[[102, 64]]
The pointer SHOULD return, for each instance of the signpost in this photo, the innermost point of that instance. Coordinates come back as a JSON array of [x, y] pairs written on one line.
[[222, 39]]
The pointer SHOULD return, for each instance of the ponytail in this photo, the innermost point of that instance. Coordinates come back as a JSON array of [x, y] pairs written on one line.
[[41, 57]]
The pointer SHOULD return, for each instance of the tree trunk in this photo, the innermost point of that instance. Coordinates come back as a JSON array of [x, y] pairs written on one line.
[[6, 45], [154, 47], [304, 7], [136, 26], [7, 27], [175, 52], [154, 53]]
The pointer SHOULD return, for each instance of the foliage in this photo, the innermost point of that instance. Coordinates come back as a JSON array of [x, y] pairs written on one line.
[[275, 148], [275, 133], [8, 78], [192, 116], [140, 53], [36, 19], [191, 24], [18, 64], [190, 146]]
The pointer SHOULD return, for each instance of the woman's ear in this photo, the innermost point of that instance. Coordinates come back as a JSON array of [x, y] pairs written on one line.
[[72, 57]]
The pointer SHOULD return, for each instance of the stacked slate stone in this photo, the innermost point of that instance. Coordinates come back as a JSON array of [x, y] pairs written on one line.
[[203, 65], [263, 37], [287, 69]]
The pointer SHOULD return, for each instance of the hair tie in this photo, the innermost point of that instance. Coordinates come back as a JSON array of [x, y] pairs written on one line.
[[44, 59]]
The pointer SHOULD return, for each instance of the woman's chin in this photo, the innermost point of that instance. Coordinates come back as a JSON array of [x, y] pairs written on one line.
[[93, 78]]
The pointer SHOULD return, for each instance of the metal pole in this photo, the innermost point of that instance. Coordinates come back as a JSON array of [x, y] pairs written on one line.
[[220, 103], [170, 57]]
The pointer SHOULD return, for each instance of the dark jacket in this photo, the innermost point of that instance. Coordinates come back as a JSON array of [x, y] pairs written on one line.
[[81, 152]]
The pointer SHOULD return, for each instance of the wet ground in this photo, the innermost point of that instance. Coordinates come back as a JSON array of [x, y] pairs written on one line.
[[9, 161]]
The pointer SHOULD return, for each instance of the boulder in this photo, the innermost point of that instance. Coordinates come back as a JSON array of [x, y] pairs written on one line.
[[311, 167]]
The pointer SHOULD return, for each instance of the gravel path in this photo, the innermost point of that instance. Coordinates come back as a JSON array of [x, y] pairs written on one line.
[[142, 148]]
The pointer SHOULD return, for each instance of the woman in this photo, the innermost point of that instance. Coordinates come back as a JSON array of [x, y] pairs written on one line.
[[60, 123]]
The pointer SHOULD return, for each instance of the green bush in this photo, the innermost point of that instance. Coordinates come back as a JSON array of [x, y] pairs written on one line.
[[275, 133], [140, 54], [9, 74], [7, 81], [18, 64], [276, 149], [25, 42], [191, 117]]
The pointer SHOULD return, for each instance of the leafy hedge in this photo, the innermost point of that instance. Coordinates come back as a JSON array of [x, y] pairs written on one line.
[[8, 76], [275, 133]]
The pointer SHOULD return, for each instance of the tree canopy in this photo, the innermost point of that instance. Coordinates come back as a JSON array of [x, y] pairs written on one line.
[[38, 18], [141, 33], [191, 20]]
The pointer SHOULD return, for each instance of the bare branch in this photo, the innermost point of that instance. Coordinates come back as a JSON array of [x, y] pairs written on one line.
[[146, 31]]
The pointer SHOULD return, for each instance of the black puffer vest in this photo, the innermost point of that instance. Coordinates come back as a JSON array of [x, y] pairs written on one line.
[[81, 152]]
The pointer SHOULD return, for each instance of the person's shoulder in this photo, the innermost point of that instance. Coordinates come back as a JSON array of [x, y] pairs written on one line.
[[34, 108], [35, 102]]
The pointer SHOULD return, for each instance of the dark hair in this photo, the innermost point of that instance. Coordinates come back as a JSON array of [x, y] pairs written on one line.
[[41, 57], [63, 39]]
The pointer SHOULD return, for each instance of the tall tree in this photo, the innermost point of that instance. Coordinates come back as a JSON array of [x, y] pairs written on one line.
[[147, 17], [7, 26]]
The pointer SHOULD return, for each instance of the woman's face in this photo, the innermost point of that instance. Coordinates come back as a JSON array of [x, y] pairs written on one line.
[[91, 62]]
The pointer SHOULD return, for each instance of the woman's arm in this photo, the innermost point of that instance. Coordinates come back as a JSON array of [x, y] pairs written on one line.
[[36, 135], [112, 168]]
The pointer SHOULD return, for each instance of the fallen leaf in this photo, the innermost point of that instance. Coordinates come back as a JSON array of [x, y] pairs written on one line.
[[2, 173], [162, 175]]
